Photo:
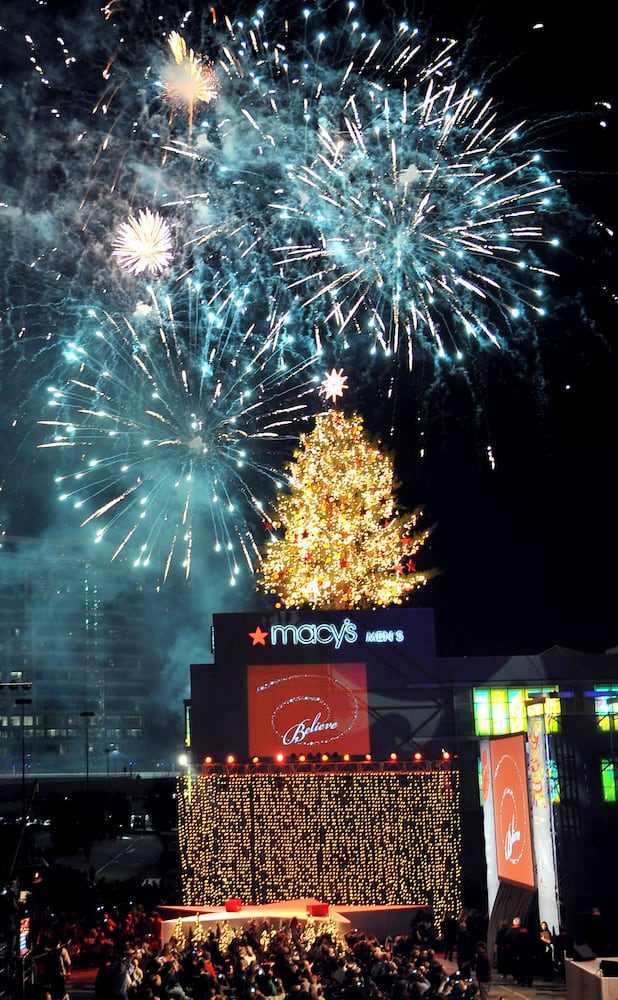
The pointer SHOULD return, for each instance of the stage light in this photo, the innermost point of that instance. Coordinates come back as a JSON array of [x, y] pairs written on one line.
[[255, 760], [230, 759], [302, 758], [368, 756], [324, 758], [418, 755], [280, 758], [445, 755], [393, 756], [207, 761], [346, 757]]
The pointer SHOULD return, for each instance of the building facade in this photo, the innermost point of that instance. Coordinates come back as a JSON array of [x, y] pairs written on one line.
[[324, 688], [77, 635]]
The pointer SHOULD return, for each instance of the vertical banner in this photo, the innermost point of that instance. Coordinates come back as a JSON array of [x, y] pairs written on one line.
[[489, 823], [509, 779], [542, 824]]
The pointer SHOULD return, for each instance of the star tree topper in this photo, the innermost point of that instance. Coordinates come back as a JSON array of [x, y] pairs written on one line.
[[334, 385]]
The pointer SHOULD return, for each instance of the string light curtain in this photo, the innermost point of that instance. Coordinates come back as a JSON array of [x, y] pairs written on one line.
[[347, 839]]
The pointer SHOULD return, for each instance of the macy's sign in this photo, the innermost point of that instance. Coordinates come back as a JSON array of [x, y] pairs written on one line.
[[314, 634], [324, 634]]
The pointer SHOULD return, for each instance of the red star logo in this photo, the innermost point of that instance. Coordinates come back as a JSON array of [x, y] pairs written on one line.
[[259, 637]]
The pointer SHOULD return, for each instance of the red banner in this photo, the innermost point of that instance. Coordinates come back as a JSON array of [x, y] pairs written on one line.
[[512, 810], [314, 708]]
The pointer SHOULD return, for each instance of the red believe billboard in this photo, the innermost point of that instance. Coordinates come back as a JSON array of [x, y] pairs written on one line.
[[509, 778], [319, 707]]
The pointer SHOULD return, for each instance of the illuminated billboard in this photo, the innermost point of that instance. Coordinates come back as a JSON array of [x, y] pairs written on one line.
[[511, 807], [318, 707], [312, 682]]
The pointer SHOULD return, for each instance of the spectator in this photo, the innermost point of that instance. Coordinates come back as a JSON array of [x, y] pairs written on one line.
[[503, 966], [545, 953], [464, 950], [449, 928], [57, 966], [482, 968]]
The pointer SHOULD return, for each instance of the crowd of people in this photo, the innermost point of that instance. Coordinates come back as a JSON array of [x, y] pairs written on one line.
[[312, 960], [295, 961]]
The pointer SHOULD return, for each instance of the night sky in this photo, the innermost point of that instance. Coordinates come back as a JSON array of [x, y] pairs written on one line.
[[527, 549]]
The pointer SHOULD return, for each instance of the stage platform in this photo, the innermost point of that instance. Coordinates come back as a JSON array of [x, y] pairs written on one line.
[[383, 921], [590, 980]]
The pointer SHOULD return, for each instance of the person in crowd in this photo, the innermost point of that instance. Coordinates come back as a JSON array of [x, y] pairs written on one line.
[[464, 950], [9, 922], [58, 967], [436, 973], [511, 941], [525, 955], [545, 961], [596, 934], [503, 966], [112, 981], [482, 970], [563, 949], [449, 928]]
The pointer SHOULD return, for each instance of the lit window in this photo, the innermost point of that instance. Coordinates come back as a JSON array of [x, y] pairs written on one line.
[[606, 708], [608, 780], [517, 710], [481, 713], [498, 711]]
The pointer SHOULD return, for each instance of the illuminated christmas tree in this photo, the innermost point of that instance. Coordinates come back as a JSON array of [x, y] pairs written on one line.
[[343, 543]]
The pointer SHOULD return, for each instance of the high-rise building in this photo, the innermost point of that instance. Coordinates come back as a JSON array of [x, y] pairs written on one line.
[[75, 630]]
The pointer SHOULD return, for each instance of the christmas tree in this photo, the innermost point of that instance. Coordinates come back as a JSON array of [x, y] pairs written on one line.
[[342, 543]]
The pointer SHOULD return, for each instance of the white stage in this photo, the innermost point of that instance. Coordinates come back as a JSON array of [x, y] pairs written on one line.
[[585, 981], [378, 920]]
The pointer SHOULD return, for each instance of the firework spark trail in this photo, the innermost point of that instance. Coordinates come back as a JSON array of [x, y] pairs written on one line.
[[169, 423], [407, 214]]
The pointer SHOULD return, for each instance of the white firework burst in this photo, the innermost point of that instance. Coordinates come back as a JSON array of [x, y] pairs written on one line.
[[143, 243]]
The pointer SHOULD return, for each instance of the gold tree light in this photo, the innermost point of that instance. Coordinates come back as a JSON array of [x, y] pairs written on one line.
[[343, 543], [143, 243], [189, 79]]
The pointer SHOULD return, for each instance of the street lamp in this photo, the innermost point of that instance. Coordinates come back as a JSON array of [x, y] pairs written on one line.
[[110, 750], [22, 702], [86, 716]]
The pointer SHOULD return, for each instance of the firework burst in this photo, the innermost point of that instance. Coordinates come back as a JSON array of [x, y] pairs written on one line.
[[173, 426], [420, 227], [189, 80], [407, 214], [143, 243]]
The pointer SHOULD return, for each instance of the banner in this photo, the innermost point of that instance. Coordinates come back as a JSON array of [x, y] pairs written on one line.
[[509, 781], [542, 824], [312, 708]]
